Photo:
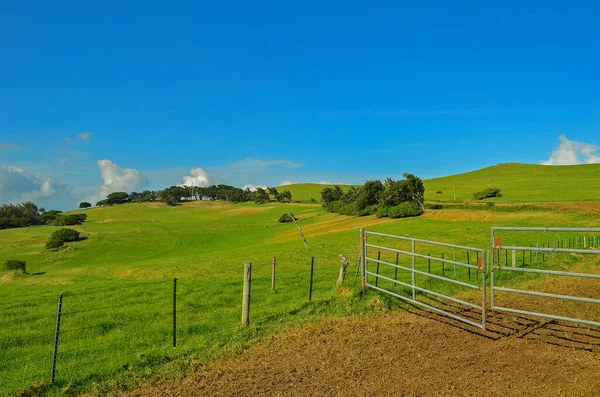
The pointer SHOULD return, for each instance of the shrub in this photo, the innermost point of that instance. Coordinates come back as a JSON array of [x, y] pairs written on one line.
[[16, 264], [54, 243], [382, 211], [286, 218], [61, 236], [439, 192], [489, 205], [69, 220], [487, 193], [405, 210]]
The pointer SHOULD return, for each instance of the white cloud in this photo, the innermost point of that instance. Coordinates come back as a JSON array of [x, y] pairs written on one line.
[[286, 182], [117, 179], [84, 136], [18, 185], [571, 152], [197, 177], [253, 162], [253, 188]]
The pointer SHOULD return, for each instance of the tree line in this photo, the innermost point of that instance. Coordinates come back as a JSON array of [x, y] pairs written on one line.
[[177, 194], [393, 198], [28, 214]]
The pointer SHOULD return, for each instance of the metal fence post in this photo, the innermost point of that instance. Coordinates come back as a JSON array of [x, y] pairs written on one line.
[[484, 290], [312, 271], [414, 291], [56, 335], [246, 294], [273, 274], [363, 247], [175, 312], [396, 269], [377, 271]]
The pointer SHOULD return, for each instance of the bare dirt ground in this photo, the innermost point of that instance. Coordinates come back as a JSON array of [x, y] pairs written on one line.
[[405, 353]]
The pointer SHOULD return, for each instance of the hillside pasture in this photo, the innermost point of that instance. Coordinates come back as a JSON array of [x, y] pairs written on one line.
[[117, 284]]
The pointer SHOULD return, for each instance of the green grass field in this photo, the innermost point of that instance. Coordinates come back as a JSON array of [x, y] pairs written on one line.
[[118, 283], [518, 182]]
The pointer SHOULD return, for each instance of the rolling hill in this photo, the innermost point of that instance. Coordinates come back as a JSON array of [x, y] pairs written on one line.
[[518, 182]]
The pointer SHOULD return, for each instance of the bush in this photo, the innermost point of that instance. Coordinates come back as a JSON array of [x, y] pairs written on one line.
[[382, 211], [487, 193], [61, 236], [16, 264], [405, 210], [434, 207], [69, 220], [54, 243], [286, 218], [489, 205]]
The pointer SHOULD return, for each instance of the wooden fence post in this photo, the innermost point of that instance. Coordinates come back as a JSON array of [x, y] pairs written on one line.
[[246, 294]]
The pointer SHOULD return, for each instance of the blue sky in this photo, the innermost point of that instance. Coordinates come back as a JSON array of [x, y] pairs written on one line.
[[264, 92]]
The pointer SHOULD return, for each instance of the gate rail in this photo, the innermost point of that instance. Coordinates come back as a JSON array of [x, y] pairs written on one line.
[[481, 266], [496, 245]]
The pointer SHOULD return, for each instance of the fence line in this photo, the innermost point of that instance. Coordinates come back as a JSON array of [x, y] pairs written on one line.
[[63, 355]]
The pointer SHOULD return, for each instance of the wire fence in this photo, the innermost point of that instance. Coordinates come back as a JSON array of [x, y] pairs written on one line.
[[99, 333]]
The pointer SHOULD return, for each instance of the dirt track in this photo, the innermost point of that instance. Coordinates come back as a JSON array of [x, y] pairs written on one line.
[[405, 354]]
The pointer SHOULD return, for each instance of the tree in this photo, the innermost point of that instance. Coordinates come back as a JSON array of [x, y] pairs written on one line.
[[261, 196], [273, 192], [284, 197], [329, 195], [16, 264], [84, 205], [416, 189], [117, 198]]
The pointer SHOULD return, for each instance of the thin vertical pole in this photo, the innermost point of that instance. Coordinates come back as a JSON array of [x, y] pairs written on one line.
[[273, 274], [56, 335], [468, 263], [429, 263], [174, 312], [246, 294], [414, 291], [443, 267], [396, 269], [483, 290], [506, 256], [492, 272], [363, 247], [523, 264], [377, 271], [530, 255], [454, 265], [477, 261], [312, 272]]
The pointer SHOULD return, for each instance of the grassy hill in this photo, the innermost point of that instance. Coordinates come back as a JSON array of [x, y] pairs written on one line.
[[118, 283], [518, 182]]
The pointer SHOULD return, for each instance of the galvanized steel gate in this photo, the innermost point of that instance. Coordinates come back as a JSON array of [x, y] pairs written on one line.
[[370, 279], [558, 247], [369, 275]]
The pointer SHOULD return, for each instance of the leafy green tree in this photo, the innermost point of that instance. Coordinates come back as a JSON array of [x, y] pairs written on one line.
[[16, 264], [84, 205], [261, 196], [117, 198], [284, 197]]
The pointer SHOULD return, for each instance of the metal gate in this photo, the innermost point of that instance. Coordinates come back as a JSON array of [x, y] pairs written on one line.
[[371, 278], [560, 245]]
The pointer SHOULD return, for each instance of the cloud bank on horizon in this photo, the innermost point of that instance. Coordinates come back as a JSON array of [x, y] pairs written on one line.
[[571, 152], [117, 179]]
